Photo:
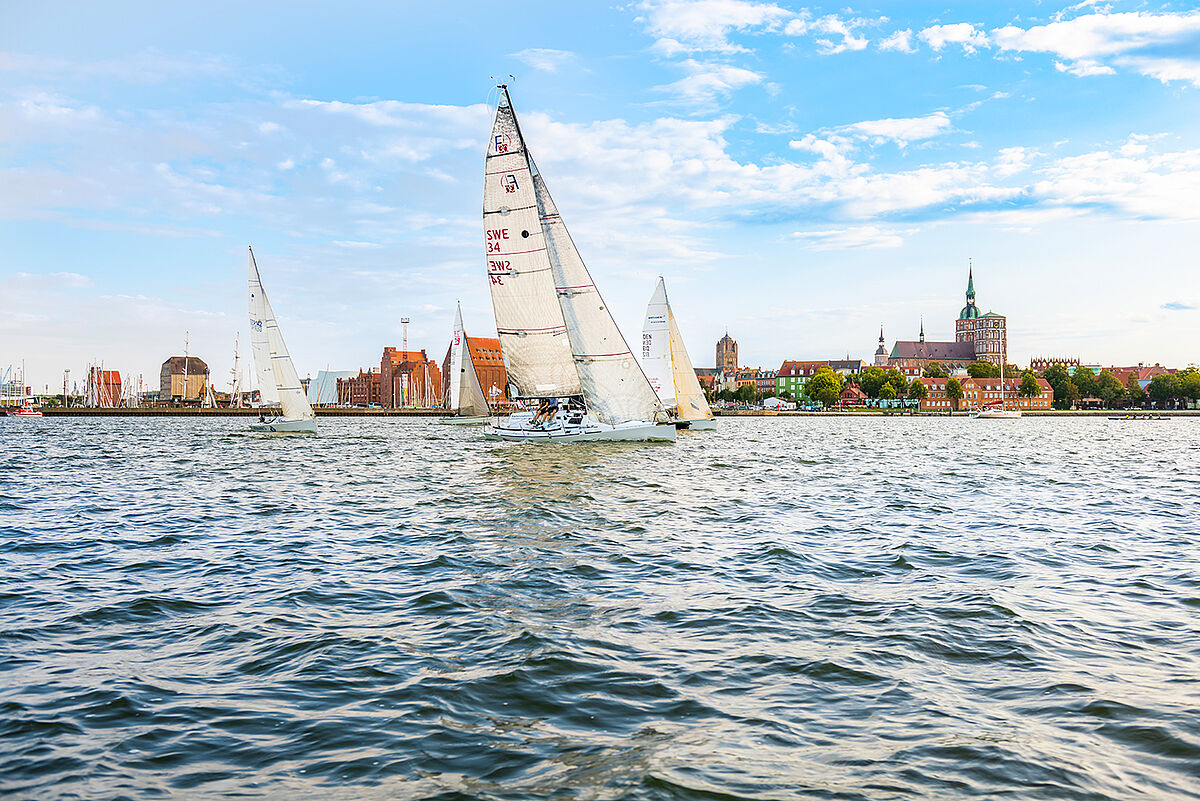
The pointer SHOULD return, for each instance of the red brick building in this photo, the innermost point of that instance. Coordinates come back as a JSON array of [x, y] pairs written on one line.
[[409, 379], [978, 391], [104, 388], [359, 390]]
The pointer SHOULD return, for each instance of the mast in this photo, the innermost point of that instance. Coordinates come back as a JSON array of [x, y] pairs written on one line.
[[185, 366]]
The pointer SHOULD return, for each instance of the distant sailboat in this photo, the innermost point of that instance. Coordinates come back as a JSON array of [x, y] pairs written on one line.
[[559, 341], [466, 399], [997, 410], [667, 366], [278, 381]]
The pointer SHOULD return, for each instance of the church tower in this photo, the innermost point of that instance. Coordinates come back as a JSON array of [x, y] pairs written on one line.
[[881, 355], [727, 356]]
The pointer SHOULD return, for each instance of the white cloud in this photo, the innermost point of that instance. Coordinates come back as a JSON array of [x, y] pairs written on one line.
[[353, 245], [1133, 39], [901, 41], [544, 58], [1011, 161], [864, 237], [1084, 68], [698, 25], [830, 25], [901, 130], [959, 33], [707, 83]]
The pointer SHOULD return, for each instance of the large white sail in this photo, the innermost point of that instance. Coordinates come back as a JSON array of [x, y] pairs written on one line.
[[292, 400], [259, 347], [466, 393], [690, 403], [656, 347], [529, 322], [613, 383]]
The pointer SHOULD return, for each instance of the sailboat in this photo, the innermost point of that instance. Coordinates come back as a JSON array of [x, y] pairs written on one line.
[[668, 367], [277, 376], [560, 343], [995, 410], [466, 399]]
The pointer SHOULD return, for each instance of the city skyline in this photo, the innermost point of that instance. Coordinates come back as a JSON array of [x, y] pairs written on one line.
[[799, 173]]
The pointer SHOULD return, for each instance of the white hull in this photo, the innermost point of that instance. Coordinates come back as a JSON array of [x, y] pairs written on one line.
[[573, 427], [282, 425], [998, 414], [703, 424], [464, 421]]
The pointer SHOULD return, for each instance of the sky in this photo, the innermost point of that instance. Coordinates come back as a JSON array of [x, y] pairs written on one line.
[[800, 174]]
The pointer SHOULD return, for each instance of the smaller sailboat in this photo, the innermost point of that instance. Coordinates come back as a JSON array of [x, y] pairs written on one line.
[[668, 367], [277, 375], [996, 410], [466, 399]]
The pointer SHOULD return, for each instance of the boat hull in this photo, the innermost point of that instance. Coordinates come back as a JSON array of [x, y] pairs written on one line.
[[464, 421], [998, 414], [705, 424], [566, 428], [282, 425]]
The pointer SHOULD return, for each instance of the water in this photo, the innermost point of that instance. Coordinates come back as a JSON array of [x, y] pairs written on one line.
[[785, 608]]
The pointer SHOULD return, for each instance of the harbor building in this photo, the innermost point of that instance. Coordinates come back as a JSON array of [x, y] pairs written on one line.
[[359, 390], [727, 354], [978, 391], [1039, 364], [183, 378], [489, 367], [409, 379]]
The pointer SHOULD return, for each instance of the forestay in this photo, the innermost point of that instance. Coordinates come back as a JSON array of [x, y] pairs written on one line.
[[258, 338], [613, 383], [529, 321]]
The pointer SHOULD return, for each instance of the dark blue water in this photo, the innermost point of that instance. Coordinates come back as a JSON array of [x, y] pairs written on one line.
[[785, 608]]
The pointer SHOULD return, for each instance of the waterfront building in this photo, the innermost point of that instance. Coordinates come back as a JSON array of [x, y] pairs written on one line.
[[851, 395], [359, 390], [727, 354], [409, 379], [910, 357], [763, 381], [489, 366], [791, 376], [182, 378], [1039, 364], [707, 376], [847, 366], [977, 391]]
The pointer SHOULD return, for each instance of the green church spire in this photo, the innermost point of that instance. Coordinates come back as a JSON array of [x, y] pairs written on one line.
[[970, 282]]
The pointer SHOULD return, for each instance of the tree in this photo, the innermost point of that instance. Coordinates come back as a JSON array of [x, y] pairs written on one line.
[[934, 370], [897, 380], [1163, 387], [1029, 388], [983, 370], [1189, 384], [871, 380], [787, 396], [954, 392], [746, 393], [887, 392], [1134, 393], [917, 390], [1059, 379], [825, 386], [1085, 382], [1109, 389]]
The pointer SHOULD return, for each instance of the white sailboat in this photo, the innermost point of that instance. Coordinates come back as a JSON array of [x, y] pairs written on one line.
[[277, 376], [996, 409], [466, 398], [668, 367], [559, 341]]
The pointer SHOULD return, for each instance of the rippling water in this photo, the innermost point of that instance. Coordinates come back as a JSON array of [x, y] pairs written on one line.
[[785, 608]]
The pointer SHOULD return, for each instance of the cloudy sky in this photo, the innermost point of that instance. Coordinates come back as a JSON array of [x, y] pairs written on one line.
[[799, 173]]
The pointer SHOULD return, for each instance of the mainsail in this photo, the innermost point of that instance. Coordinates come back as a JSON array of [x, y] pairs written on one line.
[[466, 393], [690, 402], [613, 383], [259, 347], [287, 387], [529, 322]]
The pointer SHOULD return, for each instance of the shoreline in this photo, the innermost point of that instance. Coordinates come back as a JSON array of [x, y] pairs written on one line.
[[338, 412]]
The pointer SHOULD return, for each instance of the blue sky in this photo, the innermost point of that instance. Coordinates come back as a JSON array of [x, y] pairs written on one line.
[[799, 173]]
